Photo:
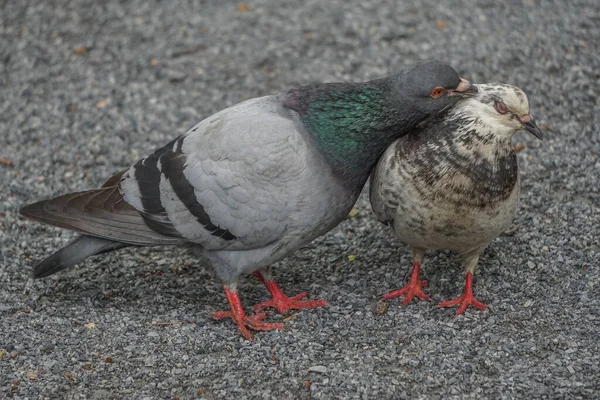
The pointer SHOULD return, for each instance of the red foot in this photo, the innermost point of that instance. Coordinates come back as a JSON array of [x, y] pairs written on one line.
[[281, 302], [242, 320], [414, 288], [467, 299]]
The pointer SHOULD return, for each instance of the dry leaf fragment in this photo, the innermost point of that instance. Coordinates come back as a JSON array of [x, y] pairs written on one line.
[[545, 127], [69, 375], [351, 257], [87, 367], [102, 103], [32, 375], [3, 353], [441, 24], [307, 384], [511, 231], [190, 50], [80, 51], [171, 323], [291, 317], [353, 213], [242, 7], [90, 325], [380, 308], [6, 162], [108, 360], [154, 62], [520, 147]]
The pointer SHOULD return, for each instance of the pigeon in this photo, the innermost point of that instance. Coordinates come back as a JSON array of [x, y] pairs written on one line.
[[453, 184], [254, 182]]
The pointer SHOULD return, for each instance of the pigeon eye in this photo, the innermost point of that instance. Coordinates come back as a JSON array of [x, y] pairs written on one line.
[[501, 107], [437, 92]]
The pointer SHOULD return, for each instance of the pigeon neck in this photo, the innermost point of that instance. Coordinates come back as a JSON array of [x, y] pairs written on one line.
[[350, 124], [477, 152], [473, 135]]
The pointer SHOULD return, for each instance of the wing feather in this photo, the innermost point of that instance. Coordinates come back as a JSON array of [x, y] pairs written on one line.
[[229, 182], [100, 213]]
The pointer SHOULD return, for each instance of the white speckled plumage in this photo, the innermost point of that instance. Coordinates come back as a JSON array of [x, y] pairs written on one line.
[[454, 185]]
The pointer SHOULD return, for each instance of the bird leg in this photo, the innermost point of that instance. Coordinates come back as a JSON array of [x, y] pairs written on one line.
[[467, 298], [243, 321], [280, 301], [415, 285]]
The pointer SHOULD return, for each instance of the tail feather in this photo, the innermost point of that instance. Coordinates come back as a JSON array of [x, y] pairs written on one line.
[[75, 252], [105, 221], [101, 213]]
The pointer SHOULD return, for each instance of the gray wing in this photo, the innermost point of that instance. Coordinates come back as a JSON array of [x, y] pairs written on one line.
[[228, 183]]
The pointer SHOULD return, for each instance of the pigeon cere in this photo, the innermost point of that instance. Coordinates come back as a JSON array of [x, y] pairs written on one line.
[[242, 200]]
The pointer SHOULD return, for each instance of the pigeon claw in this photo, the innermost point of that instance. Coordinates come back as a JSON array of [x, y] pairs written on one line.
[[413, 289], [254, 322], [283, 304], [243, 321], [410, 291], [467, 299]]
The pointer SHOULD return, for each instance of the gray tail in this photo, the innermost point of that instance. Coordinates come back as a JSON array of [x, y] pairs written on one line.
[[82, 247]]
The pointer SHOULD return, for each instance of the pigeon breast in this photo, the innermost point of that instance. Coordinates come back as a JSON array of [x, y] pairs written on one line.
[[448, 186]]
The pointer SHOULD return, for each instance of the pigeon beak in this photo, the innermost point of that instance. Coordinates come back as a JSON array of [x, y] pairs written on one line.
[[464, 89], [529, 124]]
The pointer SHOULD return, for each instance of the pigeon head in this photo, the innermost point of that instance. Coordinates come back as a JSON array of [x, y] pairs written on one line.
[[432, 87], [351, 124], [504, 107]]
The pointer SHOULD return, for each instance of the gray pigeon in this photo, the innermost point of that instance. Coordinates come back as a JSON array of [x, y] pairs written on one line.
[[454, 184], [253, 183]]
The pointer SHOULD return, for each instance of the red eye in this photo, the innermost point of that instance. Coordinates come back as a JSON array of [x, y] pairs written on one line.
[[437, 92], [501, 107]]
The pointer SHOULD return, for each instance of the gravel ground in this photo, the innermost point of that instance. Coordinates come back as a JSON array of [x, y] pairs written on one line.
[[87, 87]]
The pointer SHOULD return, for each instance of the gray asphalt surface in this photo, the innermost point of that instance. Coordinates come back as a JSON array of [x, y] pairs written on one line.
[[88, 87]]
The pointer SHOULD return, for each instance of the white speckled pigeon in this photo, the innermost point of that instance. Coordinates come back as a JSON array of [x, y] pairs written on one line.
[[253, 183], [454, 184]]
